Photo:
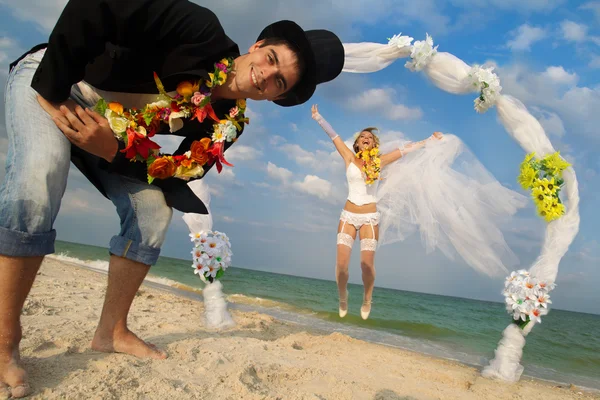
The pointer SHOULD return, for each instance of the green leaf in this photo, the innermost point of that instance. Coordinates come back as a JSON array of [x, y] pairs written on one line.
[[148, 117], [220, 273], [150, 179], [101, 107]]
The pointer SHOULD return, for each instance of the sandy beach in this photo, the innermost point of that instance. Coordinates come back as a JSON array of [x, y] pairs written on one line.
[[260, 358]]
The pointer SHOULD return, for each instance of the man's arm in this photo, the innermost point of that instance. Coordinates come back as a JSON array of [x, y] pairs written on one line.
[[85, 26]]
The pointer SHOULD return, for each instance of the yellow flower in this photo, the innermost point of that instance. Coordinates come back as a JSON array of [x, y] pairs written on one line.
[[222, 77], [550, 209], [374, 151], [211, 78], [555, 164], [241, 103], [548, 186], [225, 62], [538, 195], [528, 176]]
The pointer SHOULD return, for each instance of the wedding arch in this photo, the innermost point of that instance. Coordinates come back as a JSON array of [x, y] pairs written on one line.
[[526, 291]]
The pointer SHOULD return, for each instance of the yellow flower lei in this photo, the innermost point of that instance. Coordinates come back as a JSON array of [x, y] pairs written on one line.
[[371, 164]]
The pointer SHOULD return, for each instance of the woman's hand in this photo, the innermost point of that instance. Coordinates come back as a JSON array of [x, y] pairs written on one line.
[[315, 112], [437, 135]]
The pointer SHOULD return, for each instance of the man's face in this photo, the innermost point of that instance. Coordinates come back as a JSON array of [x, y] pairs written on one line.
[[266, 73]]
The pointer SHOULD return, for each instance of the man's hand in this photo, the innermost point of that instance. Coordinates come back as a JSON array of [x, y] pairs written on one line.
[[86, 129], [437, 135]]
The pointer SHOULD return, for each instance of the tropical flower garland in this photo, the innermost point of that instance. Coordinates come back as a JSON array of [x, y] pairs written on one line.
[[526, 300], [211, 254], [193, 100], [544, 179], [371, 164]]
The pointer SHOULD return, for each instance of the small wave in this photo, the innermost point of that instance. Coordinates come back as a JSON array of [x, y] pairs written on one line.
[[102, 266], [98, 265]]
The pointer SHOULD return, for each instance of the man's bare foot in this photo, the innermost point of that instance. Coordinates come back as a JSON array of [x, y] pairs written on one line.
[[125, 342], [13, 378]]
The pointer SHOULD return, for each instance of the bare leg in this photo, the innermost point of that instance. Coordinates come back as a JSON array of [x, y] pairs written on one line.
[[367, 265], [112, 335], [341, 269], [16, 278]]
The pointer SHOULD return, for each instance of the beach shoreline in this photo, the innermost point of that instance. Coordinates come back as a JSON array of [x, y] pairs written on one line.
[[261, 358]]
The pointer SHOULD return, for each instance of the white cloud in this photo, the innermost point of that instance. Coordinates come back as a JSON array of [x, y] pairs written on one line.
[[280, 173], [573, 104], [328, 144], [241, 152], [594, 62], [524, 37], [558, 75], [315, 186], [593, 6], [294, 127], [45, 13], [551, 122], [381, 101], [573, 32], [276, 140], [521, 6], [9, 49], [226, 174], [225, 218], [81, 201]]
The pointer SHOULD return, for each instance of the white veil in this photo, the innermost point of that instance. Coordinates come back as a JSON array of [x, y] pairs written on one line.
[[443, 192]]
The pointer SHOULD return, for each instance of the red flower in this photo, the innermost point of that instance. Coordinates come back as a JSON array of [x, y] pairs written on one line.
[[138, 144], [202, 113], [217, 150]]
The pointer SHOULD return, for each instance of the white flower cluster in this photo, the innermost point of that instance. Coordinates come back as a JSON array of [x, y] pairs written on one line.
[[421, 53], [488, 84], [211, 254], [400, 41], [526, 298]]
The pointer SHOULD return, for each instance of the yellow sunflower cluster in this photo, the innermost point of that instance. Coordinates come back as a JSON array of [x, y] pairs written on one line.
[[371, 164], [544, 179]]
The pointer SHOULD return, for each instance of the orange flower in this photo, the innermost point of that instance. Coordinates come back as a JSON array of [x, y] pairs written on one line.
[[186, 89], [162, 168], [116, 107], [187, 162], [199, 151]]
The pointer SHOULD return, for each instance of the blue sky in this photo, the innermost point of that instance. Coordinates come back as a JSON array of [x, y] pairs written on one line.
[[281, 202]]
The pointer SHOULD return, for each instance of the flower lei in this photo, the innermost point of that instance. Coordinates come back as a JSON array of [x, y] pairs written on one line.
[[193, 100], [544, 179], [371, 164], [211, 254], [526, 299]]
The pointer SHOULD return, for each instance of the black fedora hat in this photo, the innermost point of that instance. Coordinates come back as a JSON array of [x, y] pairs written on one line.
[[321, 50]]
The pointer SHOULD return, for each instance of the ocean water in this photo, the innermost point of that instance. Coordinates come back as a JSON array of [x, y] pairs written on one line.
[[564, 348]]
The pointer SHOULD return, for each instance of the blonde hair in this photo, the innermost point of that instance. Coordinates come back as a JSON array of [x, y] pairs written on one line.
[[371, 130]]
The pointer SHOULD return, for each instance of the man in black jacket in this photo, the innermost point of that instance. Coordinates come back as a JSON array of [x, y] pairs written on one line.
[[110, 49]]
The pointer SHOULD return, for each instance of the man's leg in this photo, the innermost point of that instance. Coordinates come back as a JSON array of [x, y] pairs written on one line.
[[16, 278], [36, 175], [124, 279], [145, 218]]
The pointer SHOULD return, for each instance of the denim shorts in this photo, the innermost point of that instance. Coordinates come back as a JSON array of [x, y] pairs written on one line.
[[37, 166]]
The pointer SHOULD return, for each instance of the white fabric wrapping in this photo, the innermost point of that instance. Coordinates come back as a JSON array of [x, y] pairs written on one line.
[[216, 315], [450, 74]]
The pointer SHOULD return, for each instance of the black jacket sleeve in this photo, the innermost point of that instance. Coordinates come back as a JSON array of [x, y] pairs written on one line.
[[85, 26]]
